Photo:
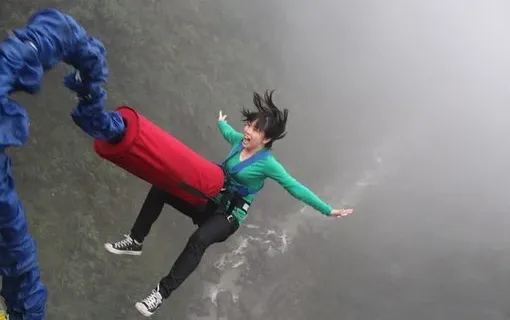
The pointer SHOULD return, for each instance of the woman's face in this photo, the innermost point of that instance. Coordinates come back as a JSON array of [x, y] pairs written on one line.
[[253, 138]]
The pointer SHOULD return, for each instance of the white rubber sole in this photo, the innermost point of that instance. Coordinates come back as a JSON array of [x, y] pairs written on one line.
[[109, 247], [143, 309]]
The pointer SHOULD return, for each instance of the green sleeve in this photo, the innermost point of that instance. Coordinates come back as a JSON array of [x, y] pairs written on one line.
[[229, 133], [278, 173]]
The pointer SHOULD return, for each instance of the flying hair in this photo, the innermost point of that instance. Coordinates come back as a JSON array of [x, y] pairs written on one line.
[[267, 118]]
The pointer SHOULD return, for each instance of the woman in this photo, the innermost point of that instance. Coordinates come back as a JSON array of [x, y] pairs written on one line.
[[249, 163]]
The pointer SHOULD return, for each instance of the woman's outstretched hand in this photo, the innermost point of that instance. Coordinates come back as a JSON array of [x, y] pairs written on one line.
[[222, 117], [341, 212]]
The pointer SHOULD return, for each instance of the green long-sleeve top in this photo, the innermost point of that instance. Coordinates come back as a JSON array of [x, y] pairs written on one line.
[[253, 176]]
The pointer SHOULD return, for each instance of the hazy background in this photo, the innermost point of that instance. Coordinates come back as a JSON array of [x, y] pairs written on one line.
[[398, 108]]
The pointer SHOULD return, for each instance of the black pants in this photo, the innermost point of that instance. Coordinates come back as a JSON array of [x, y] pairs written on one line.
[[213, 227]]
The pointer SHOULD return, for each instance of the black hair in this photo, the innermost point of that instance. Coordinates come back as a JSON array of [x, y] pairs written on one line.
[[268, 118]]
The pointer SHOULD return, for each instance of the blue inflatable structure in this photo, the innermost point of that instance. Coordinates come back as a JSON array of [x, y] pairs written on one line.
[[50, 37]]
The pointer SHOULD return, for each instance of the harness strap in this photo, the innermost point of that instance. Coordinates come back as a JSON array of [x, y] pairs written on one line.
[[243, 164], [244, 191], [232, 192], [232, 152], [236, 200], [254, 158], [193, 191]]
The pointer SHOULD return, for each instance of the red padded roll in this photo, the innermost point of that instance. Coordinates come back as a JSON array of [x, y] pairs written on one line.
[[154, 155]]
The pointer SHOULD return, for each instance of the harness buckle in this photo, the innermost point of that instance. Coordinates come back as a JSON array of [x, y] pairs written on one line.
[[230, 218]]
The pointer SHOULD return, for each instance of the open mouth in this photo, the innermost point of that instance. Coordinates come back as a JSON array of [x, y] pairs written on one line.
[[246, 139]]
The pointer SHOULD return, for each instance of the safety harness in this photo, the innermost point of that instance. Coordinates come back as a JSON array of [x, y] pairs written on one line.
[[233, 192]]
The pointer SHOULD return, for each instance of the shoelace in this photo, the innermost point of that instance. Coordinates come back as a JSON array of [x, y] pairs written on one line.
[[124, 243], [153, 300]]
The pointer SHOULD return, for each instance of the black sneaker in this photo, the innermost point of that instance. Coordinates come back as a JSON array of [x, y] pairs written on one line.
[[150, 304], [126, 246]]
